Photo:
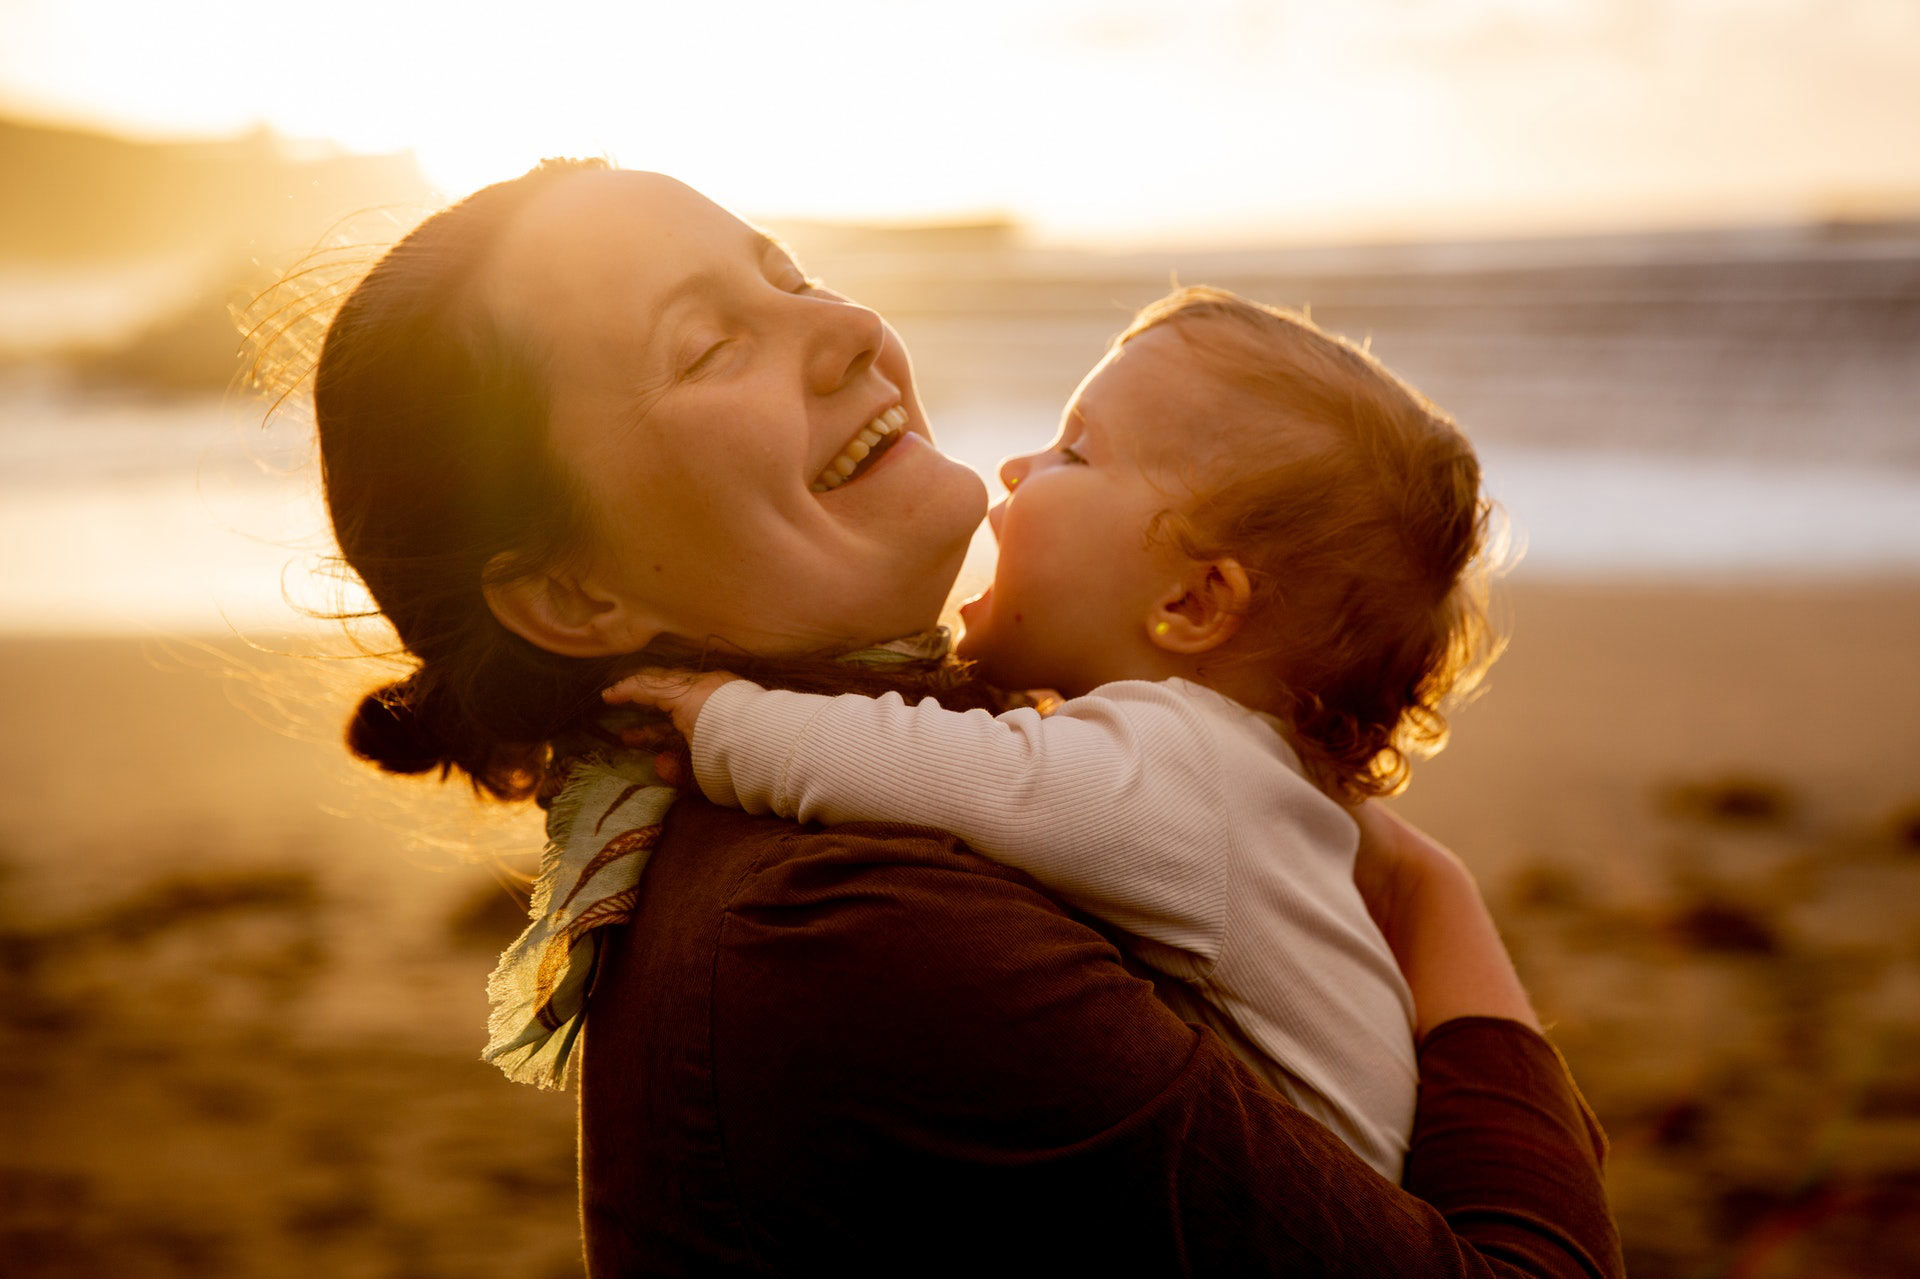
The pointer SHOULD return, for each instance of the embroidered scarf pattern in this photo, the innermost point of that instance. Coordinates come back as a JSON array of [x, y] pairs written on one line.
[[600, 831]]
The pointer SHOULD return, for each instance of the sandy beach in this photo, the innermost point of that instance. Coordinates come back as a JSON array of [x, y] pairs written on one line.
[[243, 976]]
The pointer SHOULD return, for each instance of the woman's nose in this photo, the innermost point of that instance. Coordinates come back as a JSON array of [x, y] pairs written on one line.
[[847, 339]]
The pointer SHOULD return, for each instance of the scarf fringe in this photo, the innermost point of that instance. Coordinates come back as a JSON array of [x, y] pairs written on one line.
[[538, 990]]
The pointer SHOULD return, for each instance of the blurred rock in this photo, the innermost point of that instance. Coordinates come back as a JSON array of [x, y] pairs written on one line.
[[1725, 928], [1733, 801]]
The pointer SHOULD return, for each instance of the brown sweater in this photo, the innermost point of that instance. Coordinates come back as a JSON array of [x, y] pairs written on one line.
[[868, 1050]]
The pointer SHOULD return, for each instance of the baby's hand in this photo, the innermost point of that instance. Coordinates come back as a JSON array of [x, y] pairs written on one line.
[[680, 694]]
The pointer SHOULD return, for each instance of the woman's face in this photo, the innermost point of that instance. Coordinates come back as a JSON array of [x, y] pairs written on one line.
[[703, 390]]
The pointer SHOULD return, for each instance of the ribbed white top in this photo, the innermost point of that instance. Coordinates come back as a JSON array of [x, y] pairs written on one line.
[[1170, 811]]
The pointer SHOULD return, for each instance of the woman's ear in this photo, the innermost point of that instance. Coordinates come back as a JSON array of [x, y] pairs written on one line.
[[567, 614], [1204, 611]]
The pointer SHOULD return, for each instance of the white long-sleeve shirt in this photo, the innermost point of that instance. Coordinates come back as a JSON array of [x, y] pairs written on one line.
[[1171, 812]]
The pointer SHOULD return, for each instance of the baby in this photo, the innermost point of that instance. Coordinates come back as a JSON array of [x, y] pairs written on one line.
[[1248, 565]]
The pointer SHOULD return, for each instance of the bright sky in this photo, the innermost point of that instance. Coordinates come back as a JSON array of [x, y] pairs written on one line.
[[1107, 118]]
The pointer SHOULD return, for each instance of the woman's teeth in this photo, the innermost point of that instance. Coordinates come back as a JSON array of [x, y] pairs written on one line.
[[884, 427]]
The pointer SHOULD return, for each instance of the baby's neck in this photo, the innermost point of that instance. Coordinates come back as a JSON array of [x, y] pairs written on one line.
[[1244, 682]]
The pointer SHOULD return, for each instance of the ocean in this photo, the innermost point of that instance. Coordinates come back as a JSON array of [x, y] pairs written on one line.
[[131, 514], [1737, 405]]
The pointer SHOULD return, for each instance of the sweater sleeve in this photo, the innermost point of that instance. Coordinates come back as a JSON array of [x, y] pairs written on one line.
[[1014, 1082], [1501, 1138], [1109, 801]]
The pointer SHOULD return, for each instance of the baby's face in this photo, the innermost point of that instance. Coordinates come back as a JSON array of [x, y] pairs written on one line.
[[1078, 573]]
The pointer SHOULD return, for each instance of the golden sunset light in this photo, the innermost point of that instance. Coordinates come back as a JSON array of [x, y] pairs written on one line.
[[1216, 118], [887, 638]]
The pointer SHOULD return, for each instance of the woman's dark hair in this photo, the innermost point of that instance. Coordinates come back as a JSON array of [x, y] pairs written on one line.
[[432, 429], [433, 444]]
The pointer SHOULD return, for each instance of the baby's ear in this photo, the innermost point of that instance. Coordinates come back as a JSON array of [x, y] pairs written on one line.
[[1204, 611], [568, 614]]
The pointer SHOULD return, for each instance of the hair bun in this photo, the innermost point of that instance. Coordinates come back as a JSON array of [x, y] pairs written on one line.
[[388, 730]]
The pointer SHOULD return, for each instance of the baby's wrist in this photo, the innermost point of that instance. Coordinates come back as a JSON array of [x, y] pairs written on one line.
[[687, 707]]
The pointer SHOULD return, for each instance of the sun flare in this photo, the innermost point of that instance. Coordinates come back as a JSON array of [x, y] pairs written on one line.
[[1083, 119]]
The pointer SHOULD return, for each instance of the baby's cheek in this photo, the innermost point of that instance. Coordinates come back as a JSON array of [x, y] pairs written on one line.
[[1041, 564]]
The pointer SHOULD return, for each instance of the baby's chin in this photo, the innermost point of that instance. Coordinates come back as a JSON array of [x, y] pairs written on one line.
[[969, 649], [994, 660], [974, 646], [996, 668]]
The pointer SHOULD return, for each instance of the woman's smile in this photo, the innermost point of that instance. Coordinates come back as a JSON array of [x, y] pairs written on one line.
[[861, 452]]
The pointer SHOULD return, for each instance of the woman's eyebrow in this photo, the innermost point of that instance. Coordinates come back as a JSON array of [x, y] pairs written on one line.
[[765, 242], [698, 284], [707, 281]]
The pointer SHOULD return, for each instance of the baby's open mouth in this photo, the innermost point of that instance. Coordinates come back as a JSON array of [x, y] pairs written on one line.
[[863, 450]]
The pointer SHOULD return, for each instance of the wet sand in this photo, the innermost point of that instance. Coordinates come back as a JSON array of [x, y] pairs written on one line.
[[242, 978]]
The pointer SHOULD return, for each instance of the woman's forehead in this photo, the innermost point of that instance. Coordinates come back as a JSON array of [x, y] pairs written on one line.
[[599, 201], [607, 248]]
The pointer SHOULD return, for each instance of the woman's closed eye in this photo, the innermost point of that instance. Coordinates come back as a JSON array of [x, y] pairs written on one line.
[[793, 280], [705, 359], [1071, 456]]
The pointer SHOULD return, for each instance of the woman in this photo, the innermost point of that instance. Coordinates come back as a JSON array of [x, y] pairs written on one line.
[[583, 416]]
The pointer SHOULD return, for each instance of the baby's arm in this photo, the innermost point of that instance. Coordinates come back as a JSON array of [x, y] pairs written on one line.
[[1109, 801]]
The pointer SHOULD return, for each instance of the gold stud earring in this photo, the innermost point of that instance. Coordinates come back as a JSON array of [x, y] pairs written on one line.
[[1161, 628]]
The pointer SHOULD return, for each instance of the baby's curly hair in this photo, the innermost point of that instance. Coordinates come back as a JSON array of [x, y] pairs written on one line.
[[1354, 504]]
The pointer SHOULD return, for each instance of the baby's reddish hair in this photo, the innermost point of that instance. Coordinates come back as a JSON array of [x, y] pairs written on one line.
[[1354, 504]]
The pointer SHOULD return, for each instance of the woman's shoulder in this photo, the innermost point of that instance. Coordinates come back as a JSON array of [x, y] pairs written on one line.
[[882, 924], [869, 886], [895, 966], [780, 969], [868, 892], [734, 861]]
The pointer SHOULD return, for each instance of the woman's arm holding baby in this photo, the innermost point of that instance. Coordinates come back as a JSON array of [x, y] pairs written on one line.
[[1428, 906], [1483, 1135]]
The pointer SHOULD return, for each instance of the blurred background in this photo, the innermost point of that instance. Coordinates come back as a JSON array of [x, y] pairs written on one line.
[[1661, 258]]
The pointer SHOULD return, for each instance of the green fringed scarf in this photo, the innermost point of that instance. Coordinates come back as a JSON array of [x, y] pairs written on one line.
[[601, 829]]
